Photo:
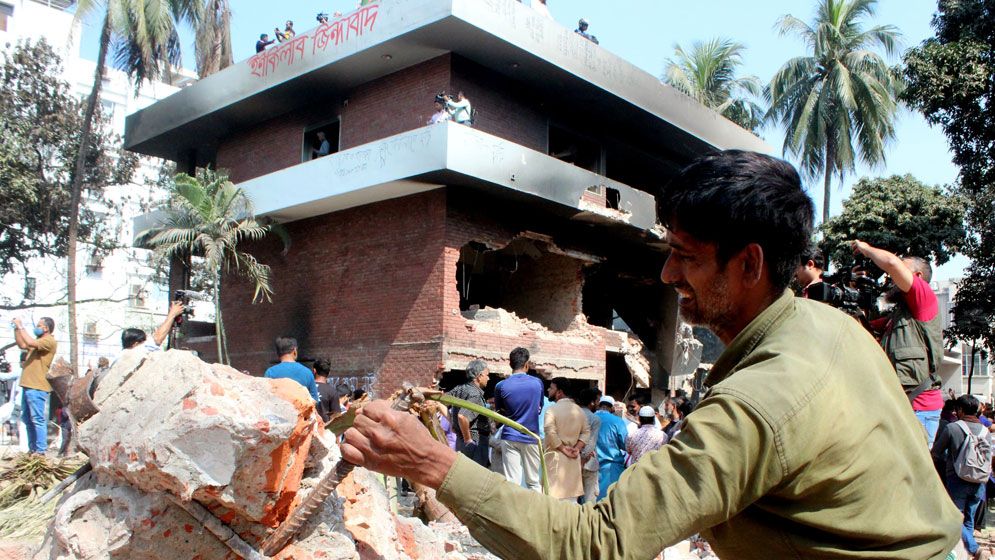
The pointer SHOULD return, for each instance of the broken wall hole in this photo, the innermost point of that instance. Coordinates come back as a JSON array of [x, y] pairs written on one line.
[[529, 277]]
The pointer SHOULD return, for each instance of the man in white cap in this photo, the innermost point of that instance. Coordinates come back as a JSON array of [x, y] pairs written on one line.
[[647, 438], [611, 445]]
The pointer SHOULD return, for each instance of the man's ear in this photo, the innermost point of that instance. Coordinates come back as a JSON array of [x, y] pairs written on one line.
[[753, 263]]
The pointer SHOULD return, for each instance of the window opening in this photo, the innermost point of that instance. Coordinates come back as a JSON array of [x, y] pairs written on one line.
[[320, 140]]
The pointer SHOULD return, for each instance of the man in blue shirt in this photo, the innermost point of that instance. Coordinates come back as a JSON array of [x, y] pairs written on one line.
[[288, 368], [519, 397], [611, 445]]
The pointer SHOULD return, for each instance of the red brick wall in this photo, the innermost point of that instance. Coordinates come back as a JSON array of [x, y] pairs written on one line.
[[361, 287], [503, 107], [468, 224], [396, 103], [393, 104]]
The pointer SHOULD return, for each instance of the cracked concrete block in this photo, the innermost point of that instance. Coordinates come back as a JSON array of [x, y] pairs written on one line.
[[176, 424]]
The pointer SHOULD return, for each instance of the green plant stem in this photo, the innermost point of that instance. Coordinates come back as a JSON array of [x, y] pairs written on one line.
[[488, 413]]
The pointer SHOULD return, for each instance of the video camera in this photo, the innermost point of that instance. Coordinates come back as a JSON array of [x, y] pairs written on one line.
[[5, 366], [322, 17], [442, 97], [185, 297], [850, 293]]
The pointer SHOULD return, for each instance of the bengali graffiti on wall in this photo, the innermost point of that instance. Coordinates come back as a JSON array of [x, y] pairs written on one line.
[[318, 40]]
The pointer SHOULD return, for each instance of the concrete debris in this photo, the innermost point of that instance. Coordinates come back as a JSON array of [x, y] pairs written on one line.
[[248, 449], [501, 321], [637, 360]]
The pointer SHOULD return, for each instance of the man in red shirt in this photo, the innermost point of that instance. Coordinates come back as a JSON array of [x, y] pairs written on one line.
[[912, 334]]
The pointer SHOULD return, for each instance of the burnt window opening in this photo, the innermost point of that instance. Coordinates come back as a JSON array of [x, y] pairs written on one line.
[[524, 278], [320, 140], [636, 168], [622, 301], [618, 378], [568, 146], [613, 198]]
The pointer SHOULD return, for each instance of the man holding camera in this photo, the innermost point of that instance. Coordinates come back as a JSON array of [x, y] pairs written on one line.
[[912, 334], [35, 388], [135, 338]]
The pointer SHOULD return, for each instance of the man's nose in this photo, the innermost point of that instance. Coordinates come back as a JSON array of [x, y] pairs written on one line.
[[669, 273]]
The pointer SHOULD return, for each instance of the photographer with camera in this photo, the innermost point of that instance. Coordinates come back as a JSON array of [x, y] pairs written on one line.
[[460, 108], [134, 338], [912, 334]]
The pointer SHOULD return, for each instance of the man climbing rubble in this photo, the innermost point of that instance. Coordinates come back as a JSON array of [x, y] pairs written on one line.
[[776, 471]]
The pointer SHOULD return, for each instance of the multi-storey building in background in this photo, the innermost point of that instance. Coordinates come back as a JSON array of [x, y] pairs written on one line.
[[416, 247], [957, 362], [121, 289]]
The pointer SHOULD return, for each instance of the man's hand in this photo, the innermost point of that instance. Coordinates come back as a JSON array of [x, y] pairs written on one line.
[[887, 261], [176, 309], [569, 451], [396, 444]]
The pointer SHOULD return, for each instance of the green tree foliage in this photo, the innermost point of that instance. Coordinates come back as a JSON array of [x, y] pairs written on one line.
[[39, 137], [707, 74], [951, 80], [209, 217], [837, 103], [900, 214]]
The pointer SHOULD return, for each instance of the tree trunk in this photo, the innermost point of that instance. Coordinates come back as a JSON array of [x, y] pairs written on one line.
[[970, 367], [77, 187], [218, 326], [827, 191]]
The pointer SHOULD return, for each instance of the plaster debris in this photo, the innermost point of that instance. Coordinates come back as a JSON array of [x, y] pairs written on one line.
[[248, 449]]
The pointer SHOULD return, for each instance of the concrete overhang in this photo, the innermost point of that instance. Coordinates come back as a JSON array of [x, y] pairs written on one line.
[[442, 155], [502, 35]]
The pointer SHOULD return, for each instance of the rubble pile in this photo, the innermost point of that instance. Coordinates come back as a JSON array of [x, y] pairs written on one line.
[[173, 430]]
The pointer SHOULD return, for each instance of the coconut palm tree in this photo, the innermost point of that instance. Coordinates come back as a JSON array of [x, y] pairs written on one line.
[[145, 32], [707, 74], [212, 41], [838, 102], [209, 217]]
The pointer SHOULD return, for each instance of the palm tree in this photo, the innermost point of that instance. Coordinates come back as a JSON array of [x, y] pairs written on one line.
[[840, 93], [212, 41], [146, 35], [708, 75], [209, 217]]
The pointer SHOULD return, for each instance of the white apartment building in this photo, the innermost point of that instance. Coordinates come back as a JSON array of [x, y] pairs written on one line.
[[121, 289], [960, 355]]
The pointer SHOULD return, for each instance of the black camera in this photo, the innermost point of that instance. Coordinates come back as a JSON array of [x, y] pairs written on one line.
[[441, 98], [322, 17], [184, 297], [850, 293], [5, 366]]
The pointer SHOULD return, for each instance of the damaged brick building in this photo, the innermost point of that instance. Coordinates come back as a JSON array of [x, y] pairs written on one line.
[[415, 247]]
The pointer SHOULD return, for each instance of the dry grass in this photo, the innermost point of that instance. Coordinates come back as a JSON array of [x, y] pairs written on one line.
[[22, 481]]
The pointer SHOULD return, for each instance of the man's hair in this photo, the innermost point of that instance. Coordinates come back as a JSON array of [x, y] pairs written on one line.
[[343, 390], [131, 337], [563, 384], [358, 394], [285, 345], [643, 421], [734, 198], [968, 404], [474, 369], [518, 358], [588, 395], [103, 362], [815, 255], [610, 407], [262, 36], [921, 265], [49, 324], [322, 367]]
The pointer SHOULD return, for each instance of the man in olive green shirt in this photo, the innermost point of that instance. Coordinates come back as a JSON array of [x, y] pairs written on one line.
[[35, 389], [804, 445]]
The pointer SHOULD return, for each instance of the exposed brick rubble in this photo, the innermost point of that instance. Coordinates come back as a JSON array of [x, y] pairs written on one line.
[[249, 449]]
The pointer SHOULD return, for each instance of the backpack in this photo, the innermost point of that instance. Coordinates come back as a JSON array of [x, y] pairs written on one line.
[[974, 460]]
